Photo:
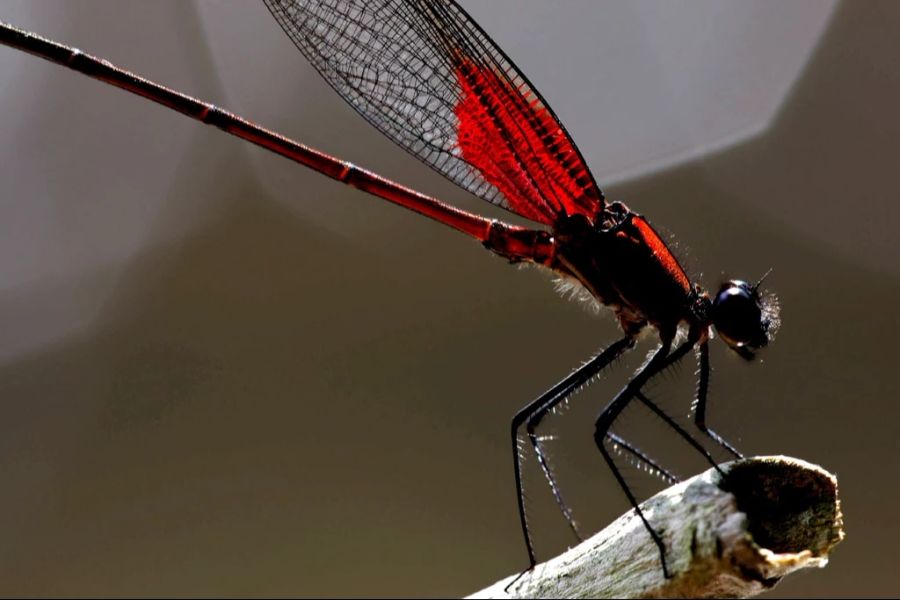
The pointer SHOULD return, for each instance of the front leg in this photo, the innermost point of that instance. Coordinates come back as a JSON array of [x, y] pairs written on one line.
[[700, 401]]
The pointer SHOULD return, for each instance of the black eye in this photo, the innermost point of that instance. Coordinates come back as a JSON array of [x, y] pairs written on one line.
[[738, 317]]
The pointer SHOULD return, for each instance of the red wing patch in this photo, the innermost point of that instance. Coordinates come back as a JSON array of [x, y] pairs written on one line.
[[518, 146], [431, 79]]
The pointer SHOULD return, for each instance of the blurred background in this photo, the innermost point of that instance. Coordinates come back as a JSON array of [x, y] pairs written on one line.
[[222, 374]]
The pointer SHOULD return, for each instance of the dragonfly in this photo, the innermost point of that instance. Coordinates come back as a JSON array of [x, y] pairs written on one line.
[[426, 75]]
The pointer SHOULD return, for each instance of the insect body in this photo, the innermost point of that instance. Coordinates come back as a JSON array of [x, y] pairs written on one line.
[[426, 75]]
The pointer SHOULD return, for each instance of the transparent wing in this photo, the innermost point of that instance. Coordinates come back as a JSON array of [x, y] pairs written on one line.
[[428, 77]]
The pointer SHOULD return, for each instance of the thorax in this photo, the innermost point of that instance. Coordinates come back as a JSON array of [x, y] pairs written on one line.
[[625, 265]]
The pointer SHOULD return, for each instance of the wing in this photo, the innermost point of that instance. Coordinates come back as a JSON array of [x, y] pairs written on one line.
[[426, 75]]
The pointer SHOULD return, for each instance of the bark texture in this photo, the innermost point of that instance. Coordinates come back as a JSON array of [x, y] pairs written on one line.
[[733, 533]]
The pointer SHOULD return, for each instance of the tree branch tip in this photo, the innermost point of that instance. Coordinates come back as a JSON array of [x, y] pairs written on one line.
[[732, 531]]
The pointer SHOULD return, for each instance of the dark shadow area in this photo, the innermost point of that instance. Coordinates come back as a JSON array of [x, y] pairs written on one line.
[[789, 507]]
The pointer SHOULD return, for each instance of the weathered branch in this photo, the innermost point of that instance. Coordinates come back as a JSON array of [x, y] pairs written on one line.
[[731, 536]]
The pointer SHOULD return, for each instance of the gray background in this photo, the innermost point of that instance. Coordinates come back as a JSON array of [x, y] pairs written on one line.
[[222, 374]]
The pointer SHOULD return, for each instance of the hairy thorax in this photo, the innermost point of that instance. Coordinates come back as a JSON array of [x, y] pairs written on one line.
[[624, 264]]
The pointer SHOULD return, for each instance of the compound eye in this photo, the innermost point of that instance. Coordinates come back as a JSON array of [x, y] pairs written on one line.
[[737, 315]]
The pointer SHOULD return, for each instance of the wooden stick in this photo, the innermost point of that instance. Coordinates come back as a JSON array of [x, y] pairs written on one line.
[[731, 536]]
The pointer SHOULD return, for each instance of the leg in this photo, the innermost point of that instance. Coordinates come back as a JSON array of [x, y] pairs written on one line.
[[612, 411], [678, 428], [671, 360], [531, 425], [541, 406], [544, 462], [700, 401], [656, 538], [537, 443], [619, 442]]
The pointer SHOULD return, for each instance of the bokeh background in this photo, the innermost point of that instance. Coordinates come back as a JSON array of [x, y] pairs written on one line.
[[221, 374]]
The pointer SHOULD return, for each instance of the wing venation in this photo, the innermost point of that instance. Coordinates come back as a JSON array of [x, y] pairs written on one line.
[[428, 77]]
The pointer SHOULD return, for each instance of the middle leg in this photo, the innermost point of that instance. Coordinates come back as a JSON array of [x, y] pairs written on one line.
[[608, 416]]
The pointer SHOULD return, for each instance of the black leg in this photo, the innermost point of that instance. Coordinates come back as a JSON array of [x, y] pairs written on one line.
[[534, 411], [620, 443], [700, 401], [656, 538], [678, 428], [607, 417], [544, 462]]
